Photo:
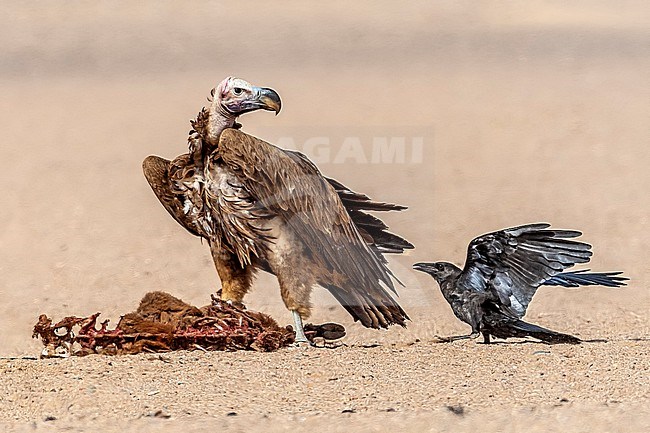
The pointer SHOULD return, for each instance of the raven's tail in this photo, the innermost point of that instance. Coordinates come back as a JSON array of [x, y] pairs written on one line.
[[586, 278], [543, 334]]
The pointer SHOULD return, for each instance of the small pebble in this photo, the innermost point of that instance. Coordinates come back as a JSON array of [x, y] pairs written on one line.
[[456, 410]]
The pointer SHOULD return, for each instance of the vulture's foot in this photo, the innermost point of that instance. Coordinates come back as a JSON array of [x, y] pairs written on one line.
[[216, 300], [322, 343], [302, 345], [325, 331], [325, 336], [236, 305]]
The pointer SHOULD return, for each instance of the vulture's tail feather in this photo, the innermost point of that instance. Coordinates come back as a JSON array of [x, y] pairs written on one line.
[[373, 310], [357, 205], [360, 201], [586, 278]]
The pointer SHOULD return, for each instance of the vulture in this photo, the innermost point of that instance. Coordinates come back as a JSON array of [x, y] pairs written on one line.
[[261, 207], [502, 273]]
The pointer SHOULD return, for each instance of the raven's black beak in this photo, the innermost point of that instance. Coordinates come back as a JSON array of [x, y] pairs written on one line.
[[424, 267], [269, 100]]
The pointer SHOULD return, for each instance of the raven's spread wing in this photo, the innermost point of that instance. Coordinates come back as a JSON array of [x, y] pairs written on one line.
[[586, 278], [514, 262], [294, 190]]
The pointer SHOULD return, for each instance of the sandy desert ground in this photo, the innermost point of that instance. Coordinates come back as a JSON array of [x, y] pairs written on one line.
[[527, 111]]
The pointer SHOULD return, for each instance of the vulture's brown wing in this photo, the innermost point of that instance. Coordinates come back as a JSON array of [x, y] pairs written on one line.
[[156, 171], [171, 195], [374, 230], [514, 262], [371, 227], [294, 190]]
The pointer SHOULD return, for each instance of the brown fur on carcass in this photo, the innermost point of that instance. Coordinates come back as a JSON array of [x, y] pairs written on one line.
[[164, 323]]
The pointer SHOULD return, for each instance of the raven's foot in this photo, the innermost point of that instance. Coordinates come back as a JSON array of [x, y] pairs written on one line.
[[456, 337]]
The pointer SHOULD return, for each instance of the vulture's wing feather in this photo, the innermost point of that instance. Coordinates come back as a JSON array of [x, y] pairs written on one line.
[[374, 230], [357, 204], [356, 200], [156, 171], [174, 199], [294, 190], [514, 262]]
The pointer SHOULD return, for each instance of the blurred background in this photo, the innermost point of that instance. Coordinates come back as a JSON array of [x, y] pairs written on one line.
[[526, 111]]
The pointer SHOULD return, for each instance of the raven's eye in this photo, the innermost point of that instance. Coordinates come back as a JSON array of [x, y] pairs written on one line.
[[237, 90]]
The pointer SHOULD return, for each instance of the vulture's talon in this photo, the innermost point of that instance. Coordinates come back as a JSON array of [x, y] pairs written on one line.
[[302, 344]]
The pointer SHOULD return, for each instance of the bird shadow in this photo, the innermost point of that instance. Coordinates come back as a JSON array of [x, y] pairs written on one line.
[[448, 340]]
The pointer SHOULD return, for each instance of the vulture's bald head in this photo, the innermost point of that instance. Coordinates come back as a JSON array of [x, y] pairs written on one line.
[[237, 97]]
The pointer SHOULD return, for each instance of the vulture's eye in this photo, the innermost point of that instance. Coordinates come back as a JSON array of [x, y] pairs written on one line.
[[237, 90]]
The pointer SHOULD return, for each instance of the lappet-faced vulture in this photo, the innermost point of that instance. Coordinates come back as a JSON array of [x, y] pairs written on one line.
[[262, 207]]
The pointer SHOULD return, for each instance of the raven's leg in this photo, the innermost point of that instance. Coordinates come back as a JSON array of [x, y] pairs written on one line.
[[459, 337], [236, 280], [486, 338]]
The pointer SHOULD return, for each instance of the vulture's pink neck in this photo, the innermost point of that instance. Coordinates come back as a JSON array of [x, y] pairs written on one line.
[[220, 119]]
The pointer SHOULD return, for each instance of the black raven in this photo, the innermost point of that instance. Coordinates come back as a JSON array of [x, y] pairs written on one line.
[[502, 273]]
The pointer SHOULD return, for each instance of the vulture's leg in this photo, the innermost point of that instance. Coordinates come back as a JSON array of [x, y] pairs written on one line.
[[235, 280], [296, 295], [300, 330]]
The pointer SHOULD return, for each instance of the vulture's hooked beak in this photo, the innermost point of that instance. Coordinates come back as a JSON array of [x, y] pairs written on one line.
[[268, 99]]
